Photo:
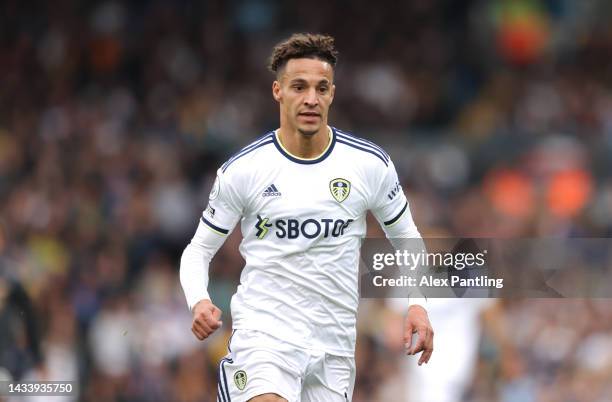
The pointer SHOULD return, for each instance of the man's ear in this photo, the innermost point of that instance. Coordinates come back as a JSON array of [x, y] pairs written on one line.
[[333, 91], [276, 91]]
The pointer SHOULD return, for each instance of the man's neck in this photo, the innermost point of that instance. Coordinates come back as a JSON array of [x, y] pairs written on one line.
[[305, 146]]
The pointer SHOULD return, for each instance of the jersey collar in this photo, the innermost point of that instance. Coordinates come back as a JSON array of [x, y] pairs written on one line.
[[304, 161]]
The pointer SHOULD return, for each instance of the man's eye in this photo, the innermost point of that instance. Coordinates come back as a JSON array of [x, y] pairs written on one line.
[[323, 89], [298, 87]]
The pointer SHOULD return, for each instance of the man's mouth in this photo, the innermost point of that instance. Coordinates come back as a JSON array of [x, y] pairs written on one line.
[[310, 114]]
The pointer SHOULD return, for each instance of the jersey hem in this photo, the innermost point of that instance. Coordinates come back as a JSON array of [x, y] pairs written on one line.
[[331, 351]]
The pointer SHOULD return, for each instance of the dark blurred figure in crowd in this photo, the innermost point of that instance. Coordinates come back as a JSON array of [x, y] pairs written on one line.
[[20, 338]]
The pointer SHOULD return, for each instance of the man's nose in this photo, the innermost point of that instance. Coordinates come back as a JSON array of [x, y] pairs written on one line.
[[311, 98]]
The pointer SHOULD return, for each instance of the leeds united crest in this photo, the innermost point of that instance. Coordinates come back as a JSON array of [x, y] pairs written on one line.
[[340, 189]]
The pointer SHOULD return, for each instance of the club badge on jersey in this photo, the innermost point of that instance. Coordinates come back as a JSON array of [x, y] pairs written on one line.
[[340, 189], [240, 379]]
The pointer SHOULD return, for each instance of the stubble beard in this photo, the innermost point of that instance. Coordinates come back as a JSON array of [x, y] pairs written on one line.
[[307, 133]]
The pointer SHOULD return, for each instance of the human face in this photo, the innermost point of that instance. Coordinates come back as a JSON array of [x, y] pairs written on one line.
[[304, 89]]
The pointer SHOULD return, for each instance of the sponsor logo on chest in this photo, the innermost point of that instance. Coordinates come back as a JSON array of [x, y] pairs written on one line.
[[309, 228], [294, 228]]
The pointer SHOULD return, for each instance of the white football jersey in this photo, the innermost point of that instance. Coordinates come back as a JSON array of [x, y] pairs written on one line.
[[302, 222]]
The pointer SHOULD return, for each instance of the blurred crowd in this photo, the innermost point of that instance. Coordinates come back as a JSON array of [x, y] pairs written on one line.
[[114, 117]]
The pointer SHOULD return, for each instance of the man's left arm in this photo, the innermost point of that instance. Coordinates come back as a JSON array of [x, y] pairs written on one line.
[[391, 209]]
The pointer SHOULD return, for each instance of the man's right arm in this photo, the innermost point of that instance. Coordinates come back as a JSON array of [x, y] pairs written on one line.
[[218, 219], [195, 262], [194, 279]]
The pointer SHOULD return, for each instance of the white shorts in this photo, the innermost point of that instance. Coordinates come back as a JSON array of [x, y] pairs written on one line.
[[258, 363]]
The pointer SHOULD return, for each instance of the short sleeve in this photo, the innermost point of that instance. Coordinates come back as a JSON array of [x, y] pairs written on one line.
[[390, 206], [388, 202], [225, 204]]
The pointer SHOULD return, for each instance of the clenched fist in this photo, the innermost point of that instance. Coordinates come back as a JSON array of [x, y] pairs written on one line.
[[206, 319]]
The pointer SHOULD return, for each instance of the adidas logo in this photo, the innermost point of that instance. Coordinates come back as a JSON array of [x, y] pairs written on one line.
[[271, 191]]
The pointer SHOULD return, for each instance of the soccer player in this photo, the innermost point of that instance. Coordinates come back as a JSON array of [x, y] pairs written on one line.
[[301, 194]]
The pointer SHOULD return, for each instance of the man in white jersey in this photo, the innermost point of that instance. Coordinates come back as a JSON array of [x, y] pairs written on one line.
[[301, 194]]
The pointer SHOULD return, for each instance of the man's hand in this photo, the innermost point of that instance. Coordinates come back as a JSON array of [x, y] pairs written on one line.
[[418, 322], [205, 319]]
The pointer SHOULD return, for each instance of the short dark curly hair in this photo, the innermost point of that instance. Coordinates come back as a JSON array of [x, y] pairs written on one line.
[[303, 45]]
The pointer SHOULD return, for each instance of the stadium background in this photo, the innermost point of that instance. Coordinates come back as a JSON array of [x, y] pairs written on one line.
[[114, 117]]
